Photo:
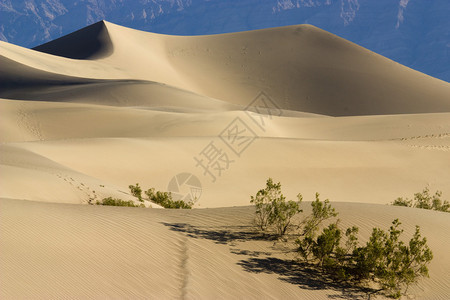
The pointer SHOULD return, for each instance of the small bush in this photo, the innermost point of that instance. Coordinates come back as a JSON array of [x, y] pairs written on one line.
[[402, 202], [385, 259], [165, 199], [394, 264], [272, 209], [321, 211], [136, 191], [162, 198], [118, 202], [282, 212], [425, 200], [326, 243]]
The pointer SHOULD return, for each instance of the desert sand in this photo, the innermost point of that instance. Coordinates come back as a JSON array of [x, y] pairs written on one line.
[[84, 116]]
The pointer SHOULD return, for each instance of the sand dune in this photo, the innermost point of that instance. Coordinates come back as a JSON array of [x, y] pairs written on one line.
[[162, 254], [92, 42], [301, 67], [107, 106], [122, 145]]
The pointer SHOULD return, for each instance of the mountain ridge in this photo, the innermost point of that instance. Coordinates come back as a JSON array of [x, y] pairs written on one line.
[[413, 33]]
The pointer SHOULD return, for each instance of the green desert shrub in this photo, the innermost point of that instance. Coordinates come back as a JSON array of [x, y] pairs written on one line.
[[326, 244], [272, 209], [402, 202], [118, 202], [162, 198], [425, 200], [385, 259], [165, 199], [136, 191], [282, 213], [391, 262], [321, 211]]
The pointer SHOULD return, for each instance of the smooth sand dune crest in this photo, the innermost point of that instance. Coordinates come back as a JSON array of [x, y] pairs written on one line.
[[22, 82], [125, 93], [304, 68], [301, 67], [19, 57]]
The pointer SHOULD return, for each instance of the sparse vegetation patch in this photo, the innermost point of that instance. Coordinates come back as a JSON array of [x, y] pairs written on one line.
[[165, 199], [118, 202], [425, 200], [385, 260], [162, 198]]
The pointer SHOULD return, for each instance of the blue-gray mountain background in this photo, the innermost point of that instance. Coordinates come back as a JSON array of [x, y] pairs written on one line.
[[415, 33]]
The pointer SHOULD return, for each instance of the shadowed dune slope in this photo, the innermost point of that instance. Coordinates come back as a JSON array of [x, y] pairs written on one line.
[[20, 81], [15, 77], [306, 69], [300, 67], [87, 43]]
